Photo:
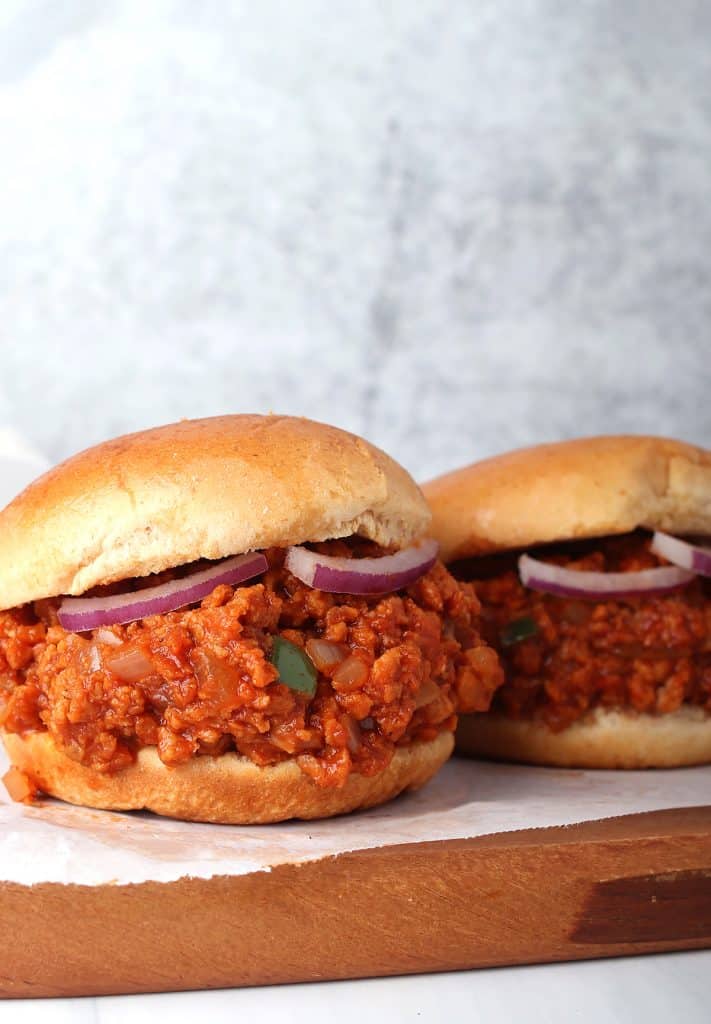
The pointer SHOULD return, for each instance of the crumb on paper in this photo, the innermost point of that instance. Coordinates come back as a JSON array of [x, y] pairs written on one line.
[[20, 787]]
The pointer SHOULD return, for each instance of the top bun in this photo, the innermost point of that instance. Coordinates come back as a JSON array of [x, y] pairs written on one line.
[[199, 489], [591, 487]]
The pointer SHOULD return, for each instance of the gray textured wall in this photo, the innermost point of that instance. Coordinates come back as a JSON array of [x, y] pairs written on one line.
[[452, 226]]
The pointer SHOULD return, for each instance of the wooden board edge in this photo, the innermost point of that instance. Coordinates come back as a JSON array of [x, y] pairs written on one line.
[[641, 883]]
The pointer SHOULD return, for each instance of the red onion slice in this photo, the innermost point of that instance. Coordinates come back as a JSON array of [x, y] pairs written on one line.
[[81, 613], [683, 554], [554, 579], [364, 576]]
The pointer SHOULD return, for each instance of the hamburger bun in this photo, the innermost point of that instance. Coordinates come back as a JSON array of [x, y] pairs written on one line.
[[601, 739], [227, 790], [205, 489], [571, 490], [199, 489], [574, 490]]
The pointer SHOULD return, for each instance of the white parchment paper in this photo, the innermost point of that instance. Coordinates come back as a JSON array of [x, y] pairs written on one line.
[[54, 842]]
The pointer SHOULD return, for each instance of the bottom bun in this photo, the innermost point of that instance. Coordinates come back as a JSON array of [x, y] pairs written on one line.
[[601, 739], [228, 790]]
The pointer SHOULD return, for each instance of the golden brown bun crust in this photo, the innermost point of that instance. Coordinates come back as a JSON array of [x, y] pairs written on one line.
[[199, 489], [227, 790], [591, 487], [602, 739]]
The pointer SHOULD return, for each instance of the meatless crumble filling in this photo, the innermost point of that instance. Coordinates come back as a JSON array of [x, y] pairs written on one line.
[[199, 681], [563, 656]]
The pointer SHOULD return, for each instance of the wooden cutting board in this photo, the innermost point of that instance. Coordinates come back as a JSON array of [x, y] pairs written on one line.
[[636, 884]]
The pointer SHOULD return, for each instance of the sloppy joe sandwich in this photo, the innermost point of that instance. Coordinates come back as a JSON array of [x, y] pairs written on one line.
[[591, 560], [237, 619]]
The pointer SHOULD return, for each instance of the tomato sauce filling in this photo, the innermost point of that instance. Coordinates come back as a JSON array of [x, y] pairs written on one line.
[[199, 681], [649, 654]]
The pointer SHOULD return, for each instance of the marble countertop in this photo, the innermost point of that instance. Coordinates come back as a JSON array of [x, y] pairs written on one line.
[[454, 229], [653, 989]]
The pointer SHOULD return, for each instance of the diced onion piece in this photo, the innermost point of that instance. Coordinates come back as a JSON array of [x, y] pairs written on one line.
[[325, 654], [366, 576], [555, 579], [82, 613], [105, 636], [352, 733], [350, 675], [428, 692], [130, 664], [94, 658], [683, 554]]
